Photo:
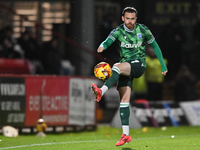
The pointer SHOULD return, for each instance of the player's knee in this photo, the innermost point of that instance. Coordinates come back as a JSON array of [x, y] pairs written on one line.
[[116, 69], [116, 64]]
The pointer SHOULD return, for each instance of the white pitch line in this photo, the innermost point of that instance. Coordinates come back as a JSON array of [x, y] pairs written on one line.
[[32, 145]]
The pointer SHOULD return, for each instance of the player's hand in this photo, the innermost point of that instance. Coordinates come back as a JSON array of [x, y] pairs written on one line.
[[100, 49], [164, 73]]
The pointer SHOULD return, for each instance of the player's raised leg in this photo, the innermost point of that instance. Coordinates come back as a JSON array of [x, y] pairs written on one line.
[[98, 92], [118, 68]]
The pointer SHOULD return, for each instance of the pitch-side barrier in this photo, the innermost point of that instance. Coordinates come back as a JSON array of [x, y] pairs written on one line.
[[64, 102]]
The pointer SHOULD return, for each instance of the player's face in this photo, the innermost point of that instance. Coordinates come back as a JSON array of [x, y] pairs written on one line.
[[129, 20]]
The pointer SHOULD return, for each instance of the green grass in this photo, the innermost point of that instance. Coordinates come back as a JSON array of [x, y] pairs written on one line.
[[105, 137]]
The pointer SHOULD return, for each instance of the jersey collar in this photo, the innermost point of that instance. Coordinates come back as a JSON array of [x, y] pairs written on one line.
[[128, 30]]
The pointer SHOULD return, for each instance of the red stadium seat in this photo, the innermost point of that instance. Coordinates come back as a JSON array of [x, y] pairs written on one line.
[[14, 66]]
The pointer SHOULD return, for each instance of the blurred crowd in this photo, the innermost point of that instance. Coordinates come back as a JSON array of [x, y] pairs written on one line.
[[45, 58], [183, 63]]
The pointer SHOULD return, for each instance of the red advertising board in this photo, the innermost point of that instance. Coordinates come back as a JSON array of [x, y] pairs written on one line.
[[54, 92]]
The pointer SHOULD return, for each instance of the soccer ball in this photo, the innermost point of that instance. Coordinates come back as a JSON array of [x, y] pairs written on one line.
[[102, 71], [41, 125]]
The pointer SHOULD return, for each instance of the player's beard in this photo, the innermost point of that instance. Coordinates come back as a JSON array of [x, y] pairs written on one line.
[[130, 26]]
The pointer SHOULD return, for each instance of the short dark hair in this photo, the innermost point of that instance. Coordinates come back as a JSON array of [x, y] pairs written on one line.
[[130, 10]]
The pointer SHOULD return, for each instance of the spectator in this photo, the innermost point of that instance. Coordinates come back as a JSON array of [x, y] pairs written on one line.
[[185, 85], [153, 77], [194, 53], [10, 49], [32, 50], [51, 58], [29, 46], [3, 52], [172, 40]]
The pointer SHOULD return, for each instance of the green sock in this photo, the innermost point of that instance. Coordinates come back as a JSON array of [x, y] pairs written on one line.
[[124, 113], [114, 78]]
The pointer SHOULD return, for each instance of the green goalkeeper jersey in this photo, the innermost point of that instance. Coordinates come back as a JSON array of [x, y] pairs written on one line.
[[131, 42]]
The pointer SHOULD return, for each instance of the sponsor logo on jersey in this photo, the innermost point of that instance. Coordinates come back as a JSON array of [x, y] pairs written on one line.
[[139, 35], [131, 45]]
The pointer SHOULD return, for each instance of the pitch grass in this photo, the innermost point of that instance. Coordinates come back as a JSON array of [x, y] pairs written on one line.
[[105, 137]]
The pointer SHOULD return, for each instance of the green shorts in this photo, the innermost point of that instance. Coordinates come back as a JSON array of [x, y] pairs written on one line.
[[137, 70]]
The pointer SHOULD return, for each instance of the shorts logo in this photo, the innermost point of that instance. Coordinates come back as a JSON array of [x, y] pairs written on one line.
[[135, 61], [139, 35]]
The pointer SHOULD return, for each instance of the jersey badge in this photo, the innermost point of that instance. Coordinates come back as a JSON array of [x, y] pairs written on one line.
[[139, 35], [125, 37]]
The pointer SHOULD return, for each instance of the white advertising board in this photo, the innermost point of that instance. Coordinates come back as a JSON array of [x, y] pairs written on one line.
[[192, 112], [76, 102]]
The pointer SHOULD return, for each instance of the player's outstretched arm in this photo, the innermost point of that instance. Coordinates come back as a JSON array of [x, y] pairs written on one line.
[[105, 44], [159, 55]]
